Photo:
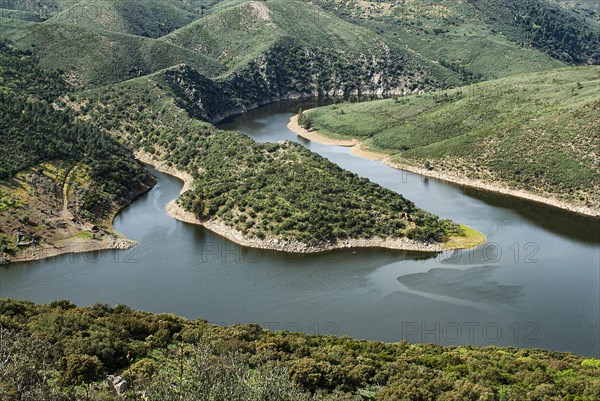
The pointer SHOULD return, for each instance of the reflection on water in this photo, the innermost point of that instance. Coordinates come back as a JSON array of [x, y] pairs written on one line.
[[474, 284], [539, 268], [577, 227]]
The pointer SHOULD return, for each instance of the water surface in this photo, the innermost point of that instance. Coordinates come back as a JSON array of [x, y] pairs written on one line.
[[535, 284]]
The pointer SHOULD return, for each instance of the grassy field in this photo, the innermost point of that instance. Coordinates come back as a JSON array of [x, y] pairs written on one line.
[[468, 239], [537, 132]]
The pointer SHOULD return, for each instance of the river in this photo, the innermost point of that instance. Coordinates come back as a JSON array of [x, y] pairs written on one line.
[[536, 283]]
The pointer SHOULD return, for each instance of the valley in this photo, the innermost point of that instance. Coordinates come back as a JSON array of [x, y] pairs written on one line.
[[177, 156]]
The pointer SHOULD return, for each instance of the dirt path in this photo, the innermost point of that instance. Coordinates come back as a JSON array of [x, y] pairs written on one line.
[[65, 212]]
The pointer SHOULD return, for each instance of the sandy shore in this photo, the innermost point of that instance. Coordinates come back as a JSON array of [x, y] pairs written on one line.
[[316, 137], [359, 151]]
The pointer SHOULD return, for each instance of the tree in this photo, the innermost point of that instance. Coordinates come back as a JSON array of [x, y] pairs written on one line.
[[81, 370], [139, 374], [303, 120], [24, 367]]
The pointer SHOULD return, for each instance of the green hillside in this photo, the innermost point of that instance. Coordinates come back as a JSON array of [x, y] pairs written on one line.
[[587, 9], [48, 158], [61, 352], [279, 49], [219, 58], [274, 56], [86, 84], [149, 18], [240, 33], [122, 16], [43, 8], [537, 132], [235, 180], [265, 51], [477, 38], [557, 31], [90, 57]]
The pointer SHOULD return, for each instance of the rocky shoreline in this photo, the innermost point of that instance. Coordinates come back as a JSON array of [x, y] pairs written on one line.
[[72, 246], [178, 212], [499, 188], [112, 242]]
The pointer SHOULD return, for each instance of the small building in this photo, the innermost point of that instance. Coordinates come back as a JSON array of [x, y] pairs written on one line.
[[90, 227], [25, 239]]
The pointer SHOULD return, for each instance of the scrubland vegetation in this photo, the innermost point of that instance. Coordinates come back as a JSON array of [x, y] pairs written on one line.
[[86, 83], [278, 191], [48, 156], [60, 352]]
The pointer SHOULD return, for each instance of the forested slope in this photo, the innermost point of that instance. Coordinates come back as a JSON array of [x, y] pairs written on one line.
[[482, 39], [87, 174], [42, 146], [417, 46]]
